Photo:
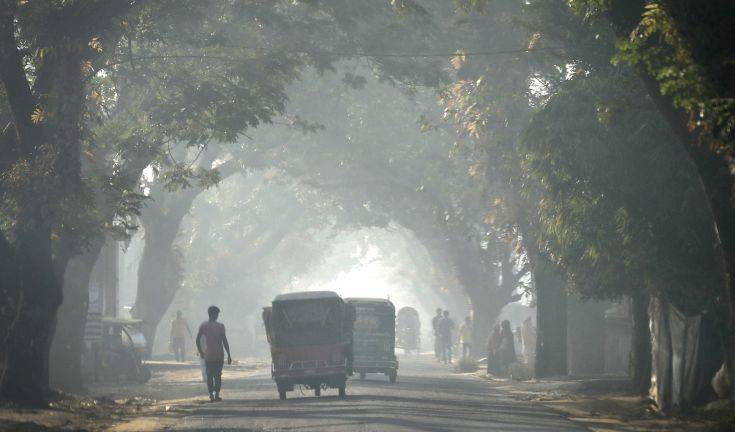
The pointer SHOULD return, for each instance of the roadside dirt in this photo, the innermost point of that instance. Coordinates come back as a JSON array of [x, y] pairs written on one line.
[[71, 413], [110, 404], [602, 405], [176, 391]]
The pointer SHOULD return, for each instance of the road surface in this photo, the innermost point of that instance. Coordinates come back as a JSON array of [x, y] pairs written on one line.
[[427, 397]]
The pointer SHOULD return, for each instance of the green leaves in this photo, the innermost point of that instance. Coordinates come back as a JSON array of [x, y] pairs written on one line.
[[208, 178]]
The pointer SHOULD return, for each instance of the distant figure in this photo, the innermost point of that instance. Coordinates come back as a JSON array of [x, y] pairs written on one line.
[[446, 326], [528, 336], [519, 340], [507, 350], [437, 340], [493, 344], [179, 330], [214, 357], [465, 337]]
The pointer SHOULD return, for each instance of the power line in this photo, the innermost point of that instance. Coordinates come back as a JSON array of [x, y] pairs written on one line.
[[437, 54], [353, 54]]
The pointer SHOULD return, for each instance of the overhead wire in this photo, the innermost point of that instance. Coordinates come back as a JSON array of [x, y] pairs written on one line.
[[458, 53]]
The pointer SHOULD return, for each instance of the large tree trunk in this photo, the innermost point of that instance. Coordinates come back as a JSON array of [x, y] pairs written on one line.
[[586, 337], [26, 375], [68, 342], [551, 321], [10, 296], [158, 275], [640, 353], [159, 272], [486, 311], [489, 300]]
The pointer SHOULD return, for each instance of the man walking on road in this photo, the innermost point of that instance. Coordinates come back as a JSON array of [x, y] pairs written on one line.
[[179, 330], [437, 341], [446, 326], [213, 355], [465, 336]]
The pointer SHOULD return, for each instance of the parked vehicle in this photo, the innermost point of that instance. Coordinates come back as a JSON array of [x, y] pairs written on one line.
[[408, 330], [310, 337], [119, 354], [374, 337]]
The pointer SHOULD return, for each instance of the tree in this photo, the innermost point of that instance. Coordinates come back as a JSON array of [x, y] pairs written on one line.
[[682, 53], [54, 56], [490, 105], [43, 48], [184, 72], [598, 191]]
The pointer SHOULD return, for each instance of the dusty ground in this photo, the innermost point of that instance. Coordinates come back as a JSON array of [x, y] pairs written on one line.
[[428, 397], [602, 405], [110, 404]]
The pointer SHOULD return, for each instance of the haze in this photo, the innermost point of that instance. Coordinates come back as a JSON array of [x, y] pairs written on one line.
[[404, 215]]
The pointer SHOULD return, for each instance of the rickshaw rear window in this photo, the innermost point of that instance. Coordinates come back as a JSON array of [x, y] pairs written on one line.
[[307, 312], [372, 321], [307, 322]]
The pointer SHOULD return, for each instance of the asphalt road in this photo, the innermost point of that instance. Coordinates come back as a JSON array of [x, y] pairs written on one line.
[[427, 397]]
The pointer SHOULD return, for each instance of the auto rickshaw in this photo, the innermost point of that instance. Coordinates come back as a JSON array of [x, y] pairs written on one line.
[[374, 337], [119, 355], [408, 330], [310, 336]]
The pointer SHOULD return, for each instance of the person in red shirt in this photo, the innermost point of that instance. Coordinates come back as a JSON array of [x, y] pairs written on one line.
[[213, 354]]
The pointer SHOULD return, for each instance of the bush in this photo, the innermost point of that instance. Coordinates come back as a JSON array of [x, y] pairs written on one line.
[[467, 364]]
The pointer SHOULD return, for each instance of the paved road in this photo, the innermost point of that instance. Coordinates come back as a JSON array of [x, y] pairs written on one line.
[[428, 397]]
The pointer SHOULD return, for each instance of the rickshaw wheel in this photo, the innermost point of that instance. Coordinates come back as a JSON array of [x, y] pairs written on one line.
[[144, 375], [282, 395], [362, 375], [318, 391], [393, 376]]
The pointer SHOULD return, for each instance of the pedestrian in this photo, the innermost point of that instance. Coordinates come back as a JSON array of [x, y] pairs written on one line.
[[528, 336], [506, 350], [214, 336], [437, 339], [179, 330], [446, 326], [465, 337], [493, 343]]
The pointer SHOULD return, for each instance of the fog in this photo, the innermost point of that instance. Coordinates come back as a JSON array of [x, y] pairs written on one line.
[[465, 211]]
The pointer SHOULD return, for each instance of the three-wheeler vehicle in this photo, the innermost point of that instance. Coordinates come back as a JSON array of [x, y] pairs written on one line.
[[119, 355], [408, 330], [310, 337], [374, 338]]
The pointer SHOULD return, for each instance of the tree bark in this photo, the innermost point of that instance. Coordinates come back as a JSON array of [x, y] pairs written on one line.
[[551, 321], [486, 311], [68, 343], [10, 295], [159, 272], [26, 376], [640, 362], [586, 337], [489, 300]]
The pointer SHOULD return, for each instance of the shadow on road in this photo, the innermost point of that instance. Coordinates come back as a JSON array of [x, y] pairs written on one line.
[[427, 397]]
